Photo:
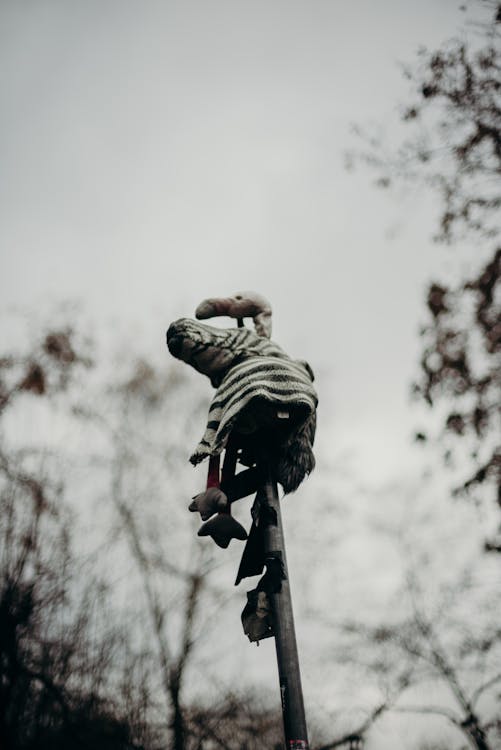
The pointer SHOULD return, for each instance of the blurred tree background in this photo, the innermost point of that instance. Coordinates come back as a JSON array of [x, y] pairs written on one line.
[[100, 608], [116, 624], [454, 150], [432, 647]]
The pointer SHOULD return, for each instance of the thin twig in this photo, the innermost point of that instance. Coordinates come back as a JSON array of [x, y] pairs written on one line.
[[478, 692], [357, 734]]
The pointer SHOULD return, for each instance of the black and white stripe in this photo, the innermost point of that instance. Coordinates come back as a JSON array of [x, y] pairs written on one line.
[[214, 351], [250, 369], [282, 382]]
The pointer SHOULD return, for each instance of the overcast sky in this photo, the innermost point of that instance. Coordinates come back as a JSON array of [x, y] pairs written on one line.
[[155, 153]]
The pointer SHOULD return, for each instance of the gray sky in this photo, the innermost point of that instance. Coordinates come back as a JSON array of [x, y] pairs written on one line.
[[156, 153]]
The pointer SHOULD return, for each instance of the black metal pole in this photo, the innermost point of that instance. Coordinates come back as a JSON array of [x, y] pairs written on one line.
[[296, 735]]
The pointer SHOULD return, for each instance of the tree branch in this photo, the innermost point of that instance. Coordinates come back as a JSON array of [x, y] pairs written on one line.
[[478, 692], [359, 733], [435, 710]]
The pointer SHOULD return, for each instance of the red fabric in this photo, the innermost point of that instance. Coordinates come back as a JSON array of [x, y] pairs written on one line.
[[213, 477]]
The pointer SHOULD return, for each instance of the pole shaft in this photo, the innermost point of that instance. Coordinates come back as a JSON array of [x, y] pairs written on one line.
[[296, 735]]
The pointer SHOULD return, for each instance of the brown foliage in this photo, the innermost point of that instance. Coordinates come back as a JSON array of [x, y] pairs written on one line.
[[454, 147]]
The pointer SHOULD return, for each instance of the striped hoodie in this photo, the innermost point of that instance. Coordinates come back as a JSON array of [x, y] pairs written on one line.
[[248, 371]]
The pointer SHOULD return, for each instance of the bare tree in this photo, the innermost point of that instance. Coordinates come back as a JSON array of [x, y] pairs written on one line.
[[172, 663], [148, 472], [355, 739], [442, 648], [55, 677], [237, 721]]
